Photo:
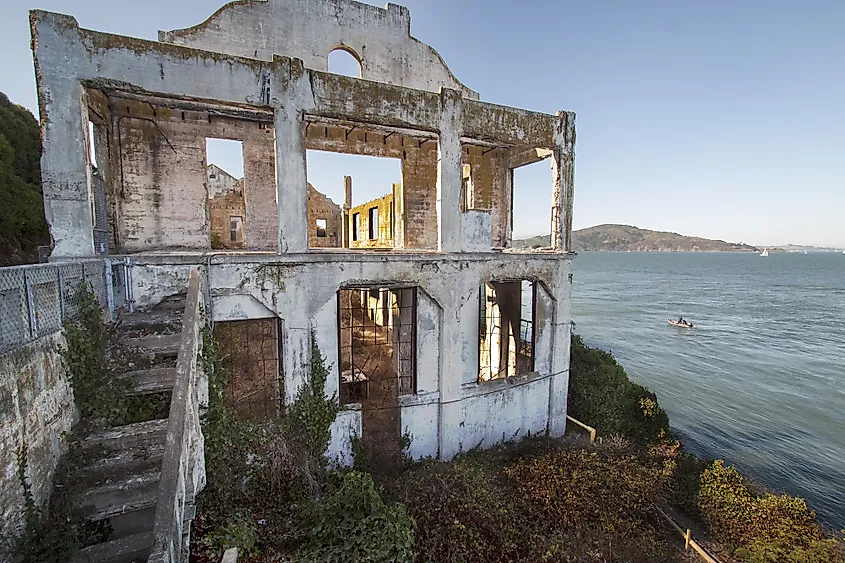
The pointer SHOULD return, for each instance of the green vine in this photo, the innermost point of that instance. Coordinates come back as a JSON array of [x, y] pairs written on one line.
[[100, 400], [56, 534], [260, 471], [312, 413]]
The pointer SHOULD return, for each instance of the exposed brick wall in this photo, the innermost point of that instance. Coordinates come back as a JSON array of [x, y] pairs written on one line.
[[419, 186], [221, 209], [490, 188], [321, 206]]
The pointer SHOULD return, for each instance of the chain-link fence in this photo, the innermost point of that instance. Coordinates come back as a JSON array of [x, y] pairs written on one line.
[[36, 300]]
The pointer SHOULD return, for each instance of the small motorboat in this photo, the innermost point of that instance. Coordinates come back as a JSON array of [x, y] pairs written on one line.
[[679, 324]]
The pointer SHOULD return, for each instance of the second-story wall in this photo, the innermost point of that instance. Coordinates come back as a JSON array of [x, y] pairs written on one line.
[[157, 184]]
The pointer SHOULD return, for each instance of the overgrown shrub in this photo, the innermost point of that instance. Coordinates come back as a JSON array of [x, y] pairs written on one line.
[[602, 396], [496, 505], [354, 524], [22, 223], [764, 528], [100, 400], [612, 492], [464, 511], [267, 473], [56, 534], [311, 413]]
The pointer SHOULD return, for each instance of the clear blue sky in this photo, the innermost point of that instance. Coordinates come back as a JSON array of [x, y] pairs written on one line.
[[721, 119]]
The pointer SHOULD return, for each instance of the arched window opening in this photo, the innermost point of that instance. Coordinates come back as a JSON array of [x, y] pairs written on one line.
[[345, 62]]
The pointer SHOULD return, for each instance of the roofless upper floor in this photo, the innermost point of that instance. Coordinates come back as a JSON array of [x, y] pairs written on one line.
[[255, 72]]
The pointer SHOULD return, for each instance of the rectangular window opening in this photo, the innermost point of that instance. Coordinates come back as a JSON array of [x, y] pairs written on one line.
[[236, 233], [466, 187], [531, 201], [350, 171], [506, 328], [226, 186], [251, 354], [373, 223], [321, 228], [92, 151], [377, 345]]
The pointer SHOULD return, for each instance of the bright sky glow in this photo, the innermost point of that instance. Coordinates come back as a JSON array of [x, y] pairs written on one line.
[[720, 119]]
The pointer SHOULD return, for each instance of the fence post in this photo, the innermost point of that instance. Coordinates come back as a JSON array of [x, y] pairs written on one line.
[[30, 306], [61, 293], [127, 280], [109, 288]]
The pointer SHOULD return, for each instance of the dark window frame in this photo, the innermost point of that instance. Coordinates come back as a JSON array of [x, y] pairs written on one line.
[[527, 328], [372, 225]]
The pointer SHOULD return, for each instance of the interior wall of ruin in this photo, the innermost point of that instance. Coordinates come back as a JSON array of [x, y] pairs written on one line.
[[99, 114], [163, 194], [419, 192], [383, 230], [221, 209], [415, 198], [490, 188], [322, 207]]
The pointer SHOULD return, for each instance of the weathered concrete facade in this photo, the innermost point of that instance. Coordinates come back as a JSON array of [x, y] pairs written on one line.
[[255, 72]]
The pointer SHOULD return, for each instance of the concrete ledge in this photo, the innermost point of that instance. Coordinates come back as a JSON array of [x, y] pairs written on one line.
[[321, 256], [481, 388]]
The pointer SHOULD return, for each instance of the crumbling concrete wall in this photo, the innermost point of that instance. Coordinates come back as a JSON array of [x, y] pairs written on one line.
[[303, 293], [295, 97], [220, 182], [194, 93], [321, 207], [380, 38], [164, 192], [36, 411]]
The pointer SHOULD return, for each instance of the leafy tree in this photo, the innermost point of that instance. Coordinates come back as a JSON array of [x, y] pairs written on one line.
[[22, 223]]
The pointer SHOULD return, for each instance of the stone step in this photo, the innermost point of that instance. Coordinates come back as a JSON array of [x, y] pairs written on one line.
[[131, 549], [106, 464], [171, 302], [160, 345], [163, 321], [149, 381], [139, 434], [120, 495]]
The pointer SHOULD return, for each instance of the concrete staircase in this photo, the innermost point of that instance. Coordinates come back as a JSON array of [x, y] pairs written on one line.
[[120, 477]]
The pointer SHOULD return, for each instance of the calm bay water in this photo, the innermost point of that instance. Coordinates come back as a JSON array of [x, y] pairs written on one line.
[[759, 381]]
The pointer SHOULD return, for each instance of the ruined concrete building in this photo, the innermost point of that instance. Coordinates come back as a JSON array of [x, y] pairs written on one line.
[[434, 327]]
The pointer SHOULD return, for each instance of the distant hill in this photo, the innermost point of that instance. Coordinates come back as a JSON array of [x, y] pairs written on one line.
[[22, 223], [805, 248], [623, 238]]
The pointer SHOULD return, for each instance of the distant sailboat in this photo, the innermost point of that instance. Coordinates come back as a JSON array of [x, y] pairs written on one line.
[[765, 252]]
